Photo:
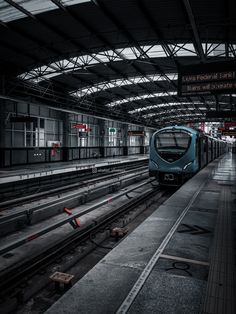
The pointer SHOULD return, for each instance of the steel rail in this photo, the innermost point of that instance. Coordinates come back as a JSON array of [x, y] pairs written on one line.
[[28, 213], [37, 234], [4, 188], [13, 276]]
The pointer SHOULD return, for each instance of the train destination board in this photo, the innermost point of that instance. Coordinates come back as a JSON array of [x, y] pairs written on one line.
[[209, 78]]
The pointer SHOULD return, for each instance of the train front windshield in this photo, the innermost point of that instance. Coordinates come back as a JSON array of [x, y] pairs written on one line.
[[172, 145]]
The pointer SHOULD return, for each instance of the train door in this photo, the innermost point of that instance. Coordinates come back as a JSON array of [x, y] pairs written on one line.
[[214, 149], [218, 149], [209, 149], [198, 151], [204, 151]]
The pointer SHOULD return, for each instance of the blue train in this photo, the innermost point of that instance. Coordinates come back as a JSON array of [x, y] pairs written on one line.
[[178, 152]]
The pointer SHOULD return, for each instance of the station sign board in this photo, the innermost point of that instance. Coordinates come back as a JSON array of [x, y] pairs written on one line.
[[207, 78], [229, 133], [78, 126]]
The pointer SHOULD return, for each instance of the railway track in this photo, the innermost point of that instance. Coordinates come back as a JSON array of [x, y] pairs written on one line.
[[40, 183], [28, 214], [82, 182], [15, 281]]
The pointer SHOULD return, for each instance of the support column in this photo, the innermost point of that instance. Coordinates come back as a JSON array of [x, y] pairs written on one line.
[[102, 132], [3, 117], [142, 143], [126, 140], [66, 141]]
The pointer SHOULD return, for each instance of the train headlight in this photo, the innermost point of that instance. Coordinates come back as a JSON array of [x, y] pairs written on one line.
[[187, 165]]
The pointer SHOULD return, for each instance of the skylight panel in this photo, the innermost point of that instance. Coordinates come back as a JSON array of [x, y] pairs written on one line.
[[101, 57], [183, 50], [214, 50], [62, 65], [165, 112], [106, 85], [183, 115], [156, 52], [36, 6], [106, 56], [9, 13], [72, 2], [128, 53], [135, 98], [49, 75], [167, 105], [122, 82], [109, 55], [146, 108], [202, 108]]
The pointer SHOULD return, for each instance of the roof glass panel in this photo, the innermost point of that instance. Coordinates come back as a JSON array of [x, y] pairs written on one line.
[[214, 50], [183, 115], [83, 61], [168, 111], [72, 2], [135, 98], [36, 6], [102, 57], [155, 51], [183, 50], [167, 105], [120, 82], [129, 53], [9, 13]]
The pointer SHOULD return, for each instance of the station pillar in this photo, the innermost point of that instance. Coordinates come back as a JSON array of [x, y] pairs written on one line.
[[66, 140], [126, 140], [3, 118], [142, 143], [102, 132]]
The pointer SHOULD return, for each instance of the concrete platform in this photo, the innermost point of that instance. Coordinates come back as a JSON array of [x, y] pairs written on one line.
[[24, 172], [193, 271]]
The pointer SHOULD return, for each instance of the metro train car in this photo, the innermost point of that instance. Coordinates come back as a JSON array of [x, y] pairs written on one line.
[[178, 152]]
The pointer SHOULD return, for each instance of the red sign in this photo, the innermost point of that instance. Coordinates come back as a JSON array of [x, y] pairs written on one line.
[[78, 126], [136, 133]]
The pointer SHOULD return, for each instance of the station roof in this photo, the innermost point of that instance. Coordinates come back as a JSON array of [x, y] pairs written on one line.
[[117, 59]]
